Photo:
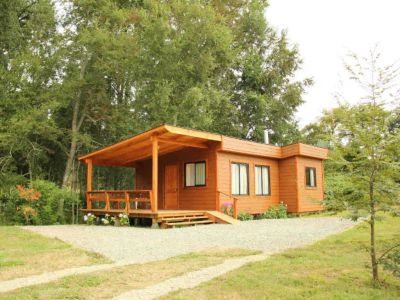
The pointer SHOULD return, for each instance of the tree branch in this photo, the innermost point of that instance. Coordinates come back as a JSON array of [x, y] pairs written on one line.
[[387, 251]]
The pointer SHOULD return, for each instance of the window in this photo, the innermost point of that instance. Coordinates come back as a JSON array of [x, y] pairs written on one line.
[[240, 182], [195, 174], [262, 180], [311, 177]]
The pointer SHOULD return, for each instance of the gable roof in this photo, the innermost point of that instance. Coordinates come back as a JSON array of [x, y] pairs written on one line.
[[172, 138]]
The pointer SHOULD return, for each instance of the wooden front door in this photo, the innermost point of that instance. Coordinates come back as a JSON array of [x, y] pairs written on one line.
[[171, 186]]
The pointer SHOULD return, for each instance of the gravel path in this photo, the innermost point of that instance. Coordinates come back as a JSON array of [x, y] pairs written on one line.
[[133, 245], [188, 280]]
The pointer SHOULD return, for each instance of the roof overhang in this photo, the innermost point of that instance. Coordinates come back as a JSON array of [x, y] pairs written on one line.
[[139, 147]]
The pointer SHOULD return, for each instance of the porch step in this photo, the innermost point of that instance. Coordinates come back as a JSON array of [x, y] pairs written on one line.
[[189, 223], [177, 218], [187, 219]]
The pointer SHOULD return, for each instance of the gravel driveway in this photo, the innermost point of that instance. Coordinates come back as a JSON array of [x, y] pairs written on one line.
[[132, 244]]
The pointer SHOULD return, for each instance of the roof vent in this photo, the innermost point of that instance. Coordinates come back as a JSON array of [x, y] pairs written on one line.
[[266, 136]]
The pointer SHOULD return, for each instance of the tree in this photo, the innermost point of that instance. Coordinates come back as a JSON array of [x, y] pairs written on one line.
[[28, 71], [365, 156]]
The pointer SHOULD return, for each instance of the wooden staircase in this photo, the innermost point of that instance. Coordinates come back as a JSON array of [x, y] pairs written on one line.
[[186, 219], [193, 218]]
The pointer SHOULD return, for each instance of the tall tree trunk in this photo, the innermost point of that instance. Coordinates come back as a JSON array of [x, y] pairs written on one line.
[[374, 263], [76, 123]]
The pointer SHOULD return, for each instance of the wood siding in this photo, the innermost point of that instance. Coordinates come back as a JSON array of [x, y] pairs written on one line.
[[249, 203], [200, 198], [310, 197], [249, 148], [304, 150], [288, 183]]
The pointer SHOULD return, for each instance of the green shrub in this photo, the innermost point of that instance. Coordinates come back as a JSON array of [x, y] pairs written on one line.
[[271, 213], [90, 219], [282, 211], [17, 207], [276, 212], [244, 216], [123, 219], [10, 207]]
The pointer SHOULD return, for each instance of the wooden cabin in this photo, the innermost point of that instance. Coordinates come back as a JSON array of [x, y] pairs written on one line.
[[190, 175]]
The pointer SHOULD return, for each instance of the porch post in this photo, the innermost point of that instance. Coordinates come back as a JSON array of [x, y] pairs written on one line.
[[154, 174], [89, 183]]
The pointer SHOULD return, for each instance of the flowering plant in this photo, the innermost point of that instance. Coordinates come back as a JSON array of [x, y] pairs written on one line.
[[89, 219], [123, 219], [227, 208], [107, 220]]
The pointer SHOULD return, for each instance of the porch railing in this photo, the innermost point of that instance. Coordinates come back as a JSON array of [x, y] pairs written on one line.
[[223, 199], [119, 200]]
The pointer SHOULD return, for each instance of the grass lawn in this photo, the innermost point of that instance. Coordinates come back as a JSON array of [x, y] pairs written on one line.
[[105, 285], [335, 268], [24, 253]]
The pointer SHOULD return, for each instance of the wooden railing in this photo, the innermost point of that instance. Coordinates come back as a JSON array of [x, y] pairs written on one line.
[[230, 199], [119, 200]]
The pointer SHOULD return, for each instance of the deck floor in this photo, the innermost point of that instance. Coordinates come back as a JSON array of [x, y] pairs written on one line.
[[144, 213]]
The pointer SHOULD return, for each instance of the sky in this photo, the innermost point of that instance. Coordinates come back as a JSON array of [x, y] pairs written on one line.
[[325, 31]]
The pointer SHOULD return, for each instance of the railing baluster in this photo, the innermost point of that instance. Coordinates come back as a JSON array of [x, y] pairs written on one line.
[[127, 202], [89, 200], [107, 201], [235, 208]]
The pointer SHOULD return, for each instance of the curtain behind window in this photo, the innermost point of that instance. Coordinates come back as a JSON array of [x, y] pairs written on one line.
[[243, 180], [258, 180], [200, 173], [312, 177], [265, 180], [235, 179], [190, 174]]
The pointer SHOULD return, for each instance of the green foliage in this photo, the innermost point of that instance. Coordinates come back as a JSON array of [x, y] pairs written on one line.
[[391, 262], [120, 67], [107, 220], [123, 219], [43, 211], [364, 165], [244, 216], [90, 219], [227, 208], [276, 212], [47, 205]]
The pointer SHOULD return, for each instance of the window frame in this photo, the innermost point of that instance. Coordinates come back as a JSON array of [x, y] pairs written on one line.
[[262, 183], [247, 174], [205, 174], [315, 177]]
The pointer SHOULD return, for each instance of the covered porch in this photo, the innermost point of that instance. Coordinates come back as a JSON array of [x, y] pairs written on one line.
[[143, 153]]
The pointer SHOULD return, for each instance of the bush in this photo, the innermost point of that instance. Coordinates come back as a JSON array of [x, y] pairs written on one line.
[[10, 207], [37, 205], [123, 219], [244, 216], [107, 220], [276, 212], [90, 219]]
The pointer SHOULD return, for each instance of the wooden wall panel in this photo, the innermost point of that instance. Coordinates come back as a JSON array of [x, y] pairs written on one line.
[[249, 203], [288, 186], [250, 148], [287, 181], [310, 198], [304, 150], [196, 198]]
